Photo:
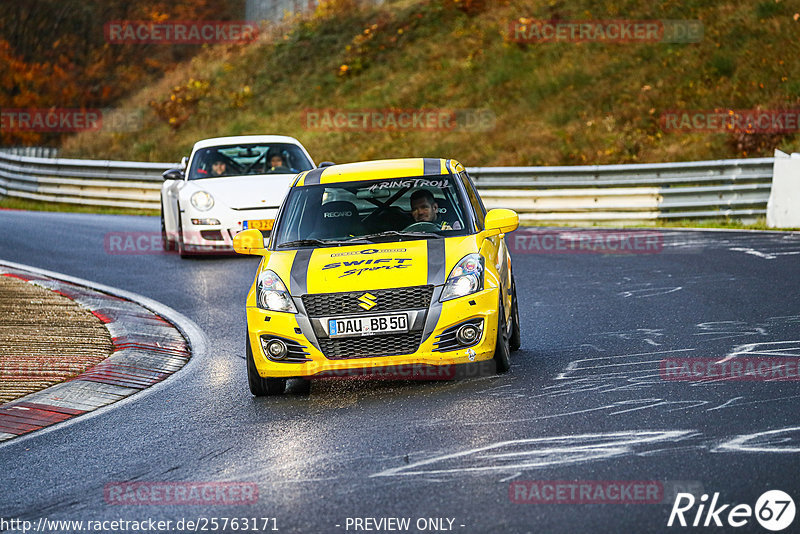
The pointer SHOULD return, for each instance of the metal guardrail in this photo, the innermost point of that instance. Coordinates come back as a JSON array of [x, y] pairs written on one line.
[[641, 192], [32, 151], [579, 194], [120, 184]]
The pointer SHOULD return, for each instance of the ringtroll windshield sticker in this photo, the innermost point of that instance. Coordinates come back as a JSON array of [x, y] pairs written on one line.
[[413, 182]]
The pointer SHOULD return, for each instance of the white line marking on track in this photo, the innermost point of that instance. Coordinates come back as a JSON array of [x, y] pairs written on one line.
[[725, 404], [763, 254], [768, 441], [649, 292], [538, 452]]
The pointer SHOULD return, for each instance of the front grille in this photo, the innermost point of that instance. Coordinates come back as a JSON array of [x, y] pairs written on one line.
[[370, 346], [402, 298], [211, 235]]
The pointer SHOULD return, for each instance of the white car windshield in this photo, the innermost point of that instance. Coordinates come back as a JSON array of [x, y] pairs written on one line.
[[238, 160], [373, 211]]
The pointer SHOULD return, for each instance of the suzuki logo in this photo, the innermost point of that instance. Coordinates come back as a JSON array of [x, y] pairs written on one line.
[[367, 301]]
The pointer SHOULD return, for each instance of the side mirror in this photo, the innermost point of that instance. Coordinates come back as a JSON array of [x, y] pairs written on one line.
[[500, 221], [249, 242], [326, 164], [172, 174], [184, 162]]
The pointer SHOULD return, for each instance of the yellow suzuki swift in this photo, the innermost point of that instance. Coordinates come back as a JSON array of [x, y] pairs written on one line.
[[380, 265]]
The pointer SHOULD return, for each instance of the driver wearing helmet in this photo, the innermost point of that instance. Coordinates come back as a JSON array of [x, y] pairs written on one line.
[[218, 167], [214, 165], [425, 209], [276, 163]]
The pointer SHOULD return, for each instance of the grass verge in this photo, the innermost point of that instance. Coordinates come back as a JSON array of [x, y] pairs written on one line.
[[10, 203]]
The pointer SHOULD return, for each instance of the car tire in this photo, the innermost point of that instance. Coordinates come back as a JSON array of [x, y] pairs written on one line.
[[260, 386], [166, 242], [181, 245], [502, 352], [301, 386], [515, 340]]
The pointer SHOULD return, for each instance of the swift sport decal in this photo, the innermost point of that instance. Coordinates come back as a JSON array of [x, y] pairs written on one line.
[[359, 266], [368, 268]]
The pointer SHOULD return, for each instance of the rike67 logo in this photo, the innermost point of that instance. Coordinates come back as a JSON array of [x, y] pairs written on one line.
[[774, 511]]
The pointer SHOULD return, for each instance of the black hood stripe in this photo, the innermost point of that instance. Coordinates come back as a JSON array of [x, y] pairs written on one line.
[[436, 276], [299, 272], [298, 288], [436, 263]]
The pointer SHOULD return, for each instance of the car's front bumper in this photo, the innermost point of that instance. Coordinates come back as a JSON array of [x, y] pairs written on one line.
[[199, 238], [292, 327]]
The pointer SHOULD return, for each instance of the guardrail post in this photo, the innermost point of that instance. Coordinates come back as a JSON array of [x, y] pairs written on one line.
[[783, 206]]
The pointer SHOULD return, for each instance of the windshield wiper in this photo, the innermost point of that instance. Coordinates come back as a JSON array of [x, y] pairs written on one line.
[[314, 242], [394, 233]]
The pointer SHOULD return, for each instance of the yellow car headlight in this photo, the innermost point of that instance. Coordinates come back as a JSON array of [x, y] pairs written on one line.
[[465, 279], [271, 293]]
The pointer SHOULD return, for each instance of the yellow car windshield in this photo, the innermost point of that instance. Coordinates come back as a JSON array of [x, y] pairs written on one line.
[[413, 207]]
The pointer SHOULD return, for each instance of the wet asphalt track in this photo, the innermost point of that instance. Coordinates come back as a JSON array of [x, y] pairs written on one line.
[[583, 401]]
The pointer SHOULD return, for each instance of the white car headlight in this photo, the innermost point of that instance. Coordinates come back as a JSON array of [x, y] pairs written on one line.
[[202, 201], [271, 293], [465, 278]]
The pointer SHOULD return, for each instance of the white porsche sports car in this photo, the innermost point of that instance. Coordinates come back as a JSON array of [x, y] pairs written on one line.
[[226, 185]]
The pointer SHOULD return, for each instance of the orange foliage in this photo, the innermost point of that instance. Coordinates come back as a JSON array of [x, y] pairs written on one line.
[[53, 53]]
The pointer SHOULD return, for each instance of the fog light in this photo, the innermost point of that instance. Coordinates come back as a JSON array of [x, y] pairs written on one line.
[[276, 349], [467, 334], [206, 222]]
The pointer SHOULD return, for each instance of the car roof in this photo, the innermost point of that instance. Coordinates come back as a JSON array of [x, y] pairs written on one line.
[[379, 170], [242, 139]]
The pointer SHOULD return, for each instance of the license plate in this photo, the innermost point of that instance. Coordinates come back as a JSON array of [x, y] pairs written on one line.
[[261, 224], [367, 326]]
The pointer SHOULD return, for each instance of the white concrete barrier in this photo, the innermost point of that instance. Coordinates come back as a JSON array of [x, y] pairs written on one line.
[[783, 206]]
